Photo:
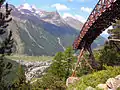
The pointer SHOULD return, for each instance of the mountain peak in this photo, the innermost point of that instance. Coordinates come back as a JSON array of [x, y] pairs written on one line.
[[27, 6], [73, 22]]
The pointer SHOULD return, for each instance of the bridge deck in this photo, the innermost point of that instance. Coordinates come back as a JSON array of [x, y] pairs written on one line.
[[102, 16]]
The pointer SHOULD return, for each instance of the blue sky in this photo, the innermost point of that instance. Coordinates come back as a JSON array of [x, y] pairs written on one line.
[[79, 9]]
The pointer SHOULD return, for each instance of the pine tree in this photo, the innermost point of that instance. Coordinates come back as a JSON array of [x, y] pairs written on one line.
[[115, 35], [20, 83], [70, 60], [58, 72], [63, 64], [6, 45], [110, 55]]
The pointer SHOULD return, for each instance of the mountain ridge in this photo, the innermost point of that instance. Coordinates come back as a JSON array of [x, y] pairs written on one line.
[[44, 34]]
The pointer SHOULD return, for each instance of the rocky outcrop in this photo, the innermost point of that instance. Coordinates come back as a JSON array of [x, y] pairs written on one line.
[[71, 80], [35, 69], [111, 84]]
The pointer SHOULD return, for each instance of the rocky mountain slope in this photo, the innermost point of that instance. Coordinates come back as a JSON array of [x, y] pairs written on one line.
[[74, 23], [38, 32]]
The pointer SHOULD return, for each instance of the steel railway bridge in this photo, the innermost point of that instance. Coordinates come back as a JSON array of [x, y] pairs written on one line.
[[103, 15]]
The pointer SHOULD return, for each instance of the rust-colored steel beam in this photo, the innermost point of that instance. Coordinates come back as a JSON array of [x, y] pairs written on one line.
[[102, 16]]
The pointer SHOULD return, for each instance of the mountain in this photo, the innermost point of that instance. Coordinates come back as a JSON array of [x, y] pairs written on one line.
[[78, 25], [74, 23], [39, 32]]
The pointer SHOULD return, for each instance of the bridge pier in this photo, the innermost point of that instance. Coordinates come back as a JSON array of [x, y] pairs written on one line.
[[93, 63]]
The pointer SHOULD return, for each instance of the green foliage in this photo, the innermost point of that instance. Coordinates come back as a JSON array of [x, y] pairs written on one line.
[[59, 71], [63, 64], [83, 67], [96, 78], [6, 45], [49, 81], [20, 83], [30, 58], [58, 66], [109, 56]]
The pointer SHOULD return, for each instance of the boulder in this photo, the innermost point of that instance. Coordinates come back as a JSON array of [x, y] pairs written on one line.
[[90, 88], [102, 86], [113, 83], [71, 80]]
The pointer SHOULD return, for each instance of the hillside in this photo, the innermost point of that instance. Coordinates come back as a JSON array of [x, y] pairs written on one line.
[[92, 80], [76, 24], [39, 32]]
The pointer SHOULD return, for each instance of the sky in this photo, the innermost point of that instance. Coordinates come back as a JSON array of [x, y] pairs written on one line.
[[78, 9]]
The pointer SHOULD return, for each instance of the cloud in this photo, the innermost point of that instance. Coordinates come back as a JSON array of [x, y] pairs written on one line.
[[26, 6], [34, 6], [81, 0], [86, 9], [105, 33], [78, 17], [60, 7], [70, 0]]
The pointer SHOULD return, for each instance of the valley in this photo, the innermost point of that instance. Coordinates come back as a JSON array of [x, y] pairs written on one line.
[[49, 46], [36, 31]]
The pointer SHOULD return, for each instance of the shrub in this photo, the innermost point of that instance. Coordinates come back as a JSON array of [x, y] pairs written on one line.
[[96, 78]]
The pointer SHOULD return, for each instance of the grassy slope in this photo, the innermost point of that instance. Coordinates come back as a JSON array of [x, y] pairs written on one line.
[[30, 58], [95, 78]]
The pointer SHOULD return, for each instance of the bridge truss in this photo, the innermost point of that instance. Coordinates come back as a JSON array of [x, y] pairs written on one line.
[[103, 15]]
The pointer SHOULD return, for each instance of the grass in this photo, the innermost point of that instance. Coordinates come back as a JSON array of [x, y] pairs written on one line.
[[95, 78], [29, 58]]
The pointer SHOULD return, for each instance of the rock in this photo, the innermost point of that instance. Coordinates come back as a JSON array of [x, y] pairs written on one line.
[[90, 88], [35, 69], [117, 77], [71, 80], [102, 86], [113, 83]]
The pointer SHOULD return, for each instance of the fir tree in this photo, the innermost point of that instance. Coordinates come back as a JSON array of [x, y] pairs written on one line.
[[58, 72], [20, 83], [6, 45], [110, 54]]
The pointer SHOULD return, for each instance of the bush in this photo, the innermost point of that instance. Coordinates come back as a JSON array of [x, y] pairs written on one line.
[[96, 78], [49, 81], [58, 72], [109, 56]]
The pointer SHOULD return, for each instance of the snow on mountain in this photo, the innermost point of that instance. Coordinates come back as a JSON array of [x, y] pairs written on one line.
[[53, 18], [50, 17], [74, 23], [28, 9], [39, 32], [26, 6]]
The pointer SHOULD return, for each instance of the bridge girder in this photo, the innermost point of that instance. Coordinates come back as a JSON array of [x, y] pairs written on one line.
[[103, 15]]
